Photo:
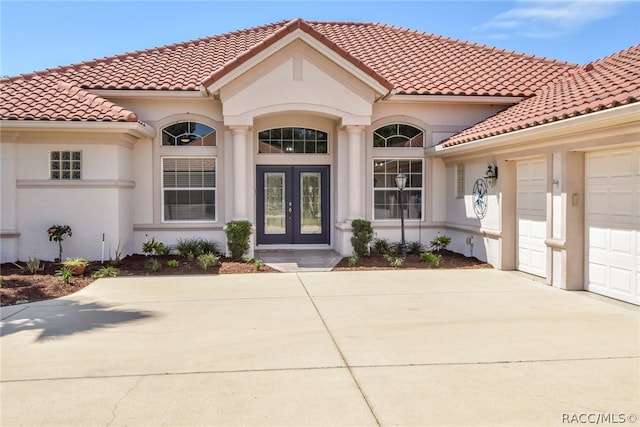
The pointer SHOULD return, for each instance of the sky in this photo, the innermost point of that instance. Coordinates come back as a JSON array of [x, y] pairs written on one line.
[[36, 35]]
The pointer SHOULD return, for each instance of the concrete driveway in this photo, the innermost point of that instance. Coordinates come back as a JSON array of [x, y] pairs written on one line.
[[409, 348]]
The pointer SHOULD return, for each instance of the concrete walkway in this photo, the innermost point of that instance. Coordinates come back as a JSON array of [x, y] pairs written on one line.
[[408, 348], [299, 260]]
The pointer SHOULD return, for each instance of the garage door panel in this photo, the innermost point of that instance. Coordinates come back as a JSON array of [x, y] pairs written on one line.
[[597, 274], [537, 260], [538, 171], [597, 202], [622, 242], [621, 164], [531, 211], [613, 223], [523, 201], [621, 203], [597, 238], [538, 230], [621, 280]]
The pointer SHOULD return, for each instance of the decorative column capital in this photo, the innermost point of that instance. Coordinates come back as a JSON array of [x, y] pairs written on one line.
[[239, 129], [354, 129]]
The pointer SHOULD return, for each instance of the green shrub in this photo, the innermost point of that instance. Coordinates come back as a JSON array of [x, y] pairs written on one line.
[[362, 235], [32, 266], [432, 258], [353, 260], [173, 263], [106, 272], [381, 246], [238, 234], [188, 248], [162, 249], [395, 248], [258, 264], [151, 247], [207, 260], [208, 246], [153, 265], [64, 273], [414, 247], [439, 243]]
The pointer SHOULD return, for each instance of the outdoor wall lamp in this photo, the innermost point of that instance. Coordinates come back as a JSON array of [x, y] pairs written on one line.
[[401, 182], [492, 175]]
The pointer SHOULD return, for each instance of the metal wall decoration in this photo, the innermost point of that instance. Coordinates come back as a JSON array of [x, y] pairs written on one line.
[[480, 198]]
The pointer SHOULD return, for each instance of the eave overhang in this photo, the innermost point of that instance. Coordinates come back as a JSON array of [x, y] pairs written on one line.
[[136, 129], [548, 133]]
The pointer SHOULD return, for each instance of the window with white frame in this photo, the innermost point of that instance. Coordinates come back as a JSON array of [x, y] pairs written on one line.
[[65, 165], [398, 135], [192, 134], [293, 140], [189, 188], [460, 180], [386, 202]]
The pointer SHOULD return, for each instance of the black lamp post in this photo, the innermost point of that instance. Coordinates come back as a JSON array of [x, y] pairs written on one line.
[[401, 182]]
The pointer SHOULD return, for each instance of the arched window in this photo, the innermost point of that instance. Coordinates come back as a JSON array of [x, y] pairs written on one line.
[[398, 135], [191, 134], [293, 140]]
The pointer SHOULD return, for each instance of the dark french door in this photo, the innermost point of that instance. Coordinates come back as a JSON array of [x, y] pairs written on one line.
[[292, 204]]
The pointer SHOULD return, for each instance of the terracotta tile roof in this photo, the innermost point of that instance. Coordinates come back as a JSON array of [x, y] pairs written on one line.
[[44, 97], [601, 85], [426, 64], [410, 62]]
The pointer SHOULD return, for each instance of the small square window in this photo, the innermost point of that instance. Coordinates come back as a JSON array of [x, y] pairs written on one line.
[[65, 164]]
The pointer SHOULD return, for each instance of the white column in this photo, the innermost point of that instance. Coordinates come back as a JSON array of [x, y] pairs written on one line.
[[240, 171], [356, 191]]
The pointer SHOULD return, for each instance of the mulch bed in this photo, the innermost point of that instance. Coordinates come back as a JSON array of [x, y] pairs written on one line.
[[19, 287], [449, 260]]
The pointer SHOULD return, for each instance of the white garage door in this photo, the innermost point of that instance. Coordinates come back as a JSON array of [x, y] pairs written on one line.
[[532, 216], [613, 224]]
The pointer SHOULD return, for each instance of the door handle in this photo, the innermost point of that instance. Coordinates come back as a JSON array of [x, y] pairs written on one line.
[[290, 210]]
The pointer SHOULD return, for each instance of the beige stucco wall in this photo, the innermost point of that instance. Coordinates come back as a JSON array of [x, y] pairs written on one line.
[[297, 78], [99, 203]]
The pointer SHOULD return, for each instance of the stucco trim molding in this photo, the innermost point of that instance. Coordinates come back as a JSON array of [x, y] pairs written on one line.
[[179, 227], [84, 183], [486, 232], [555, 243], [9, 234]]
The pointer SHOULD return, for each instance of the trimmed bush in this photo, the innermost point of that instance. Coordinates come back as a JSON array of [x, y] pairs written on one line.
[[238, 234], [362, 235]]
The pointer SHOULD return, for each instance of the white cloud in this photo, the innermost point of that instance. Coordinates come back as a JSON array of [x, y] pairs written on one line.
[[547, 19]]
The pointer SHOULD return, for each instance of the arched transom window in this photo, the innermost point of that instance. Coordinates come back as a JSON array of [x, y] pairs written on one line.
[[192, 134], [398, 135], [292, 140]]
